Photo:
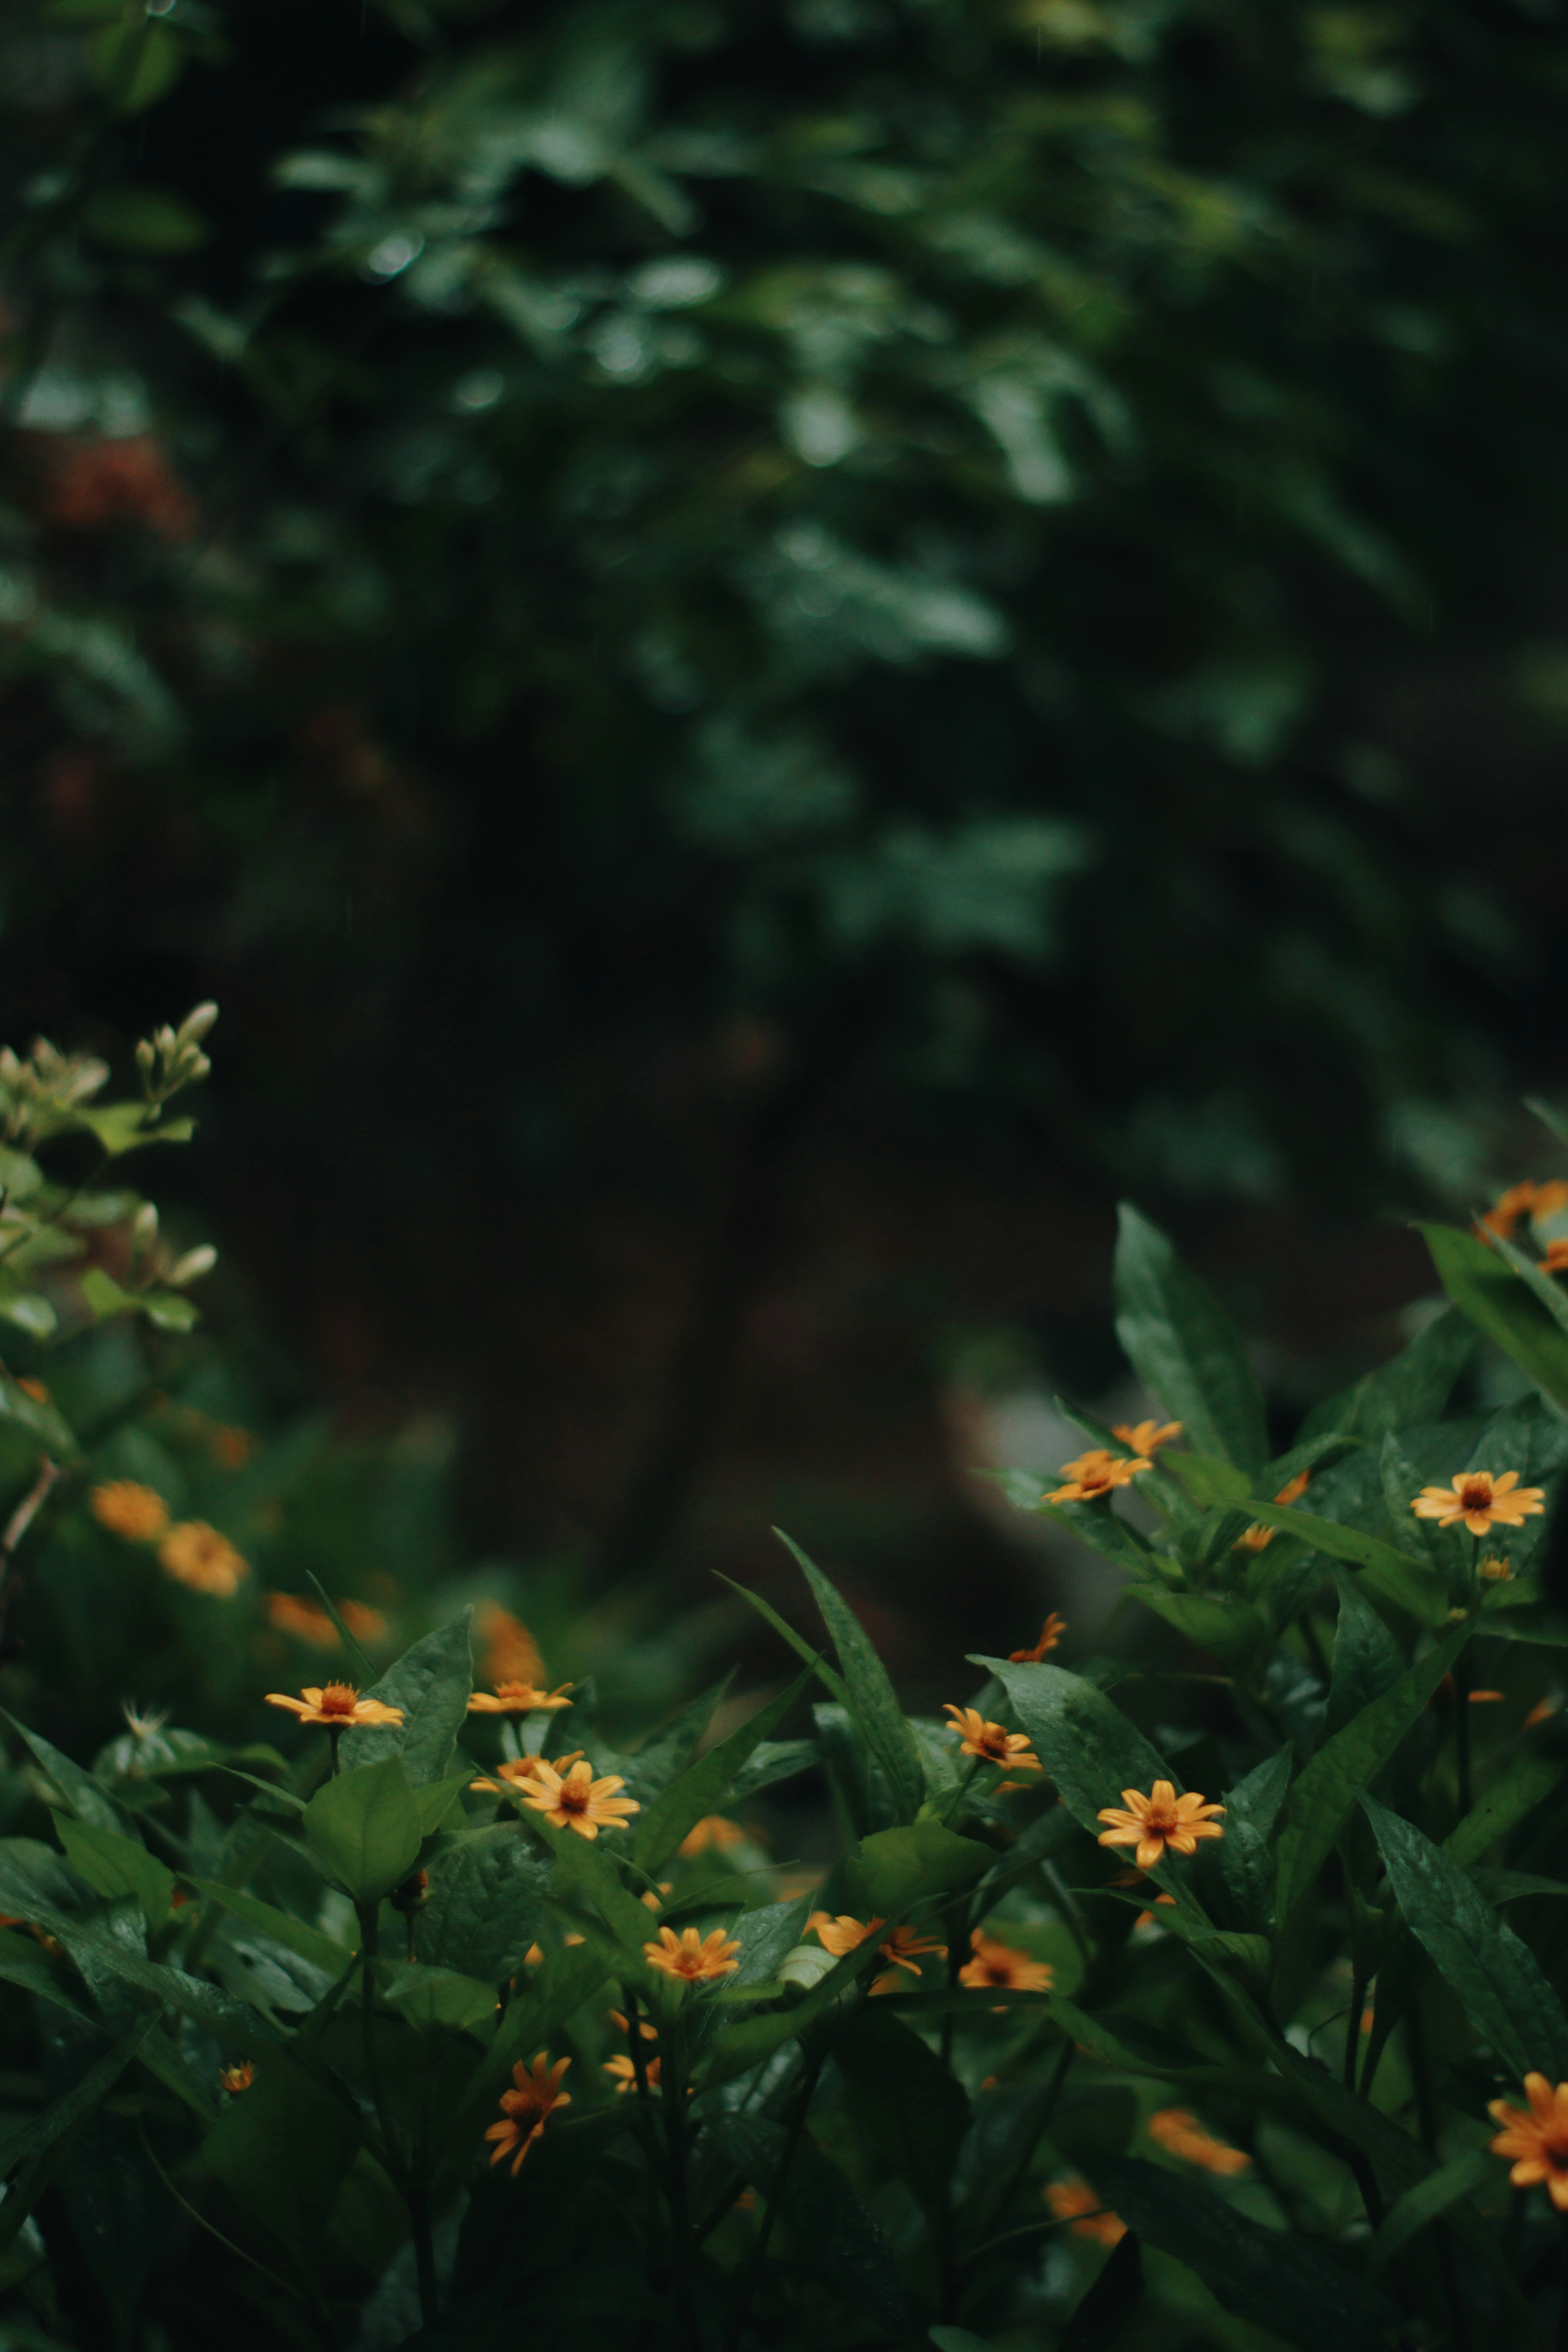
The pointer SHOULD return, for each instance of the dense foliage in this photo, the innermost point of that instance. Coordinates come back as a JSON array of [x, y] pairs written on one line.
[[429, 2014]]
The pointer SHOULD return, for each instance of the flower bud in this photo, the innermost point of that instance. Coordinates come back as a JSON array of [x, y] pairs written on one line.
[[146, 1054], [197, 1024], [145, 1224], [192, 1266]]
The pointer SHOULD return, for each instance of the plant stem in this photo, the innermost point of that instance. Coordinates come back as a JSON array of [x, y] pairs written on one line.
[[647, 2129], [21, 1519], [1462, 1729], [672, 2090], [1353, 2024], [406, 2179], [812, 2069]]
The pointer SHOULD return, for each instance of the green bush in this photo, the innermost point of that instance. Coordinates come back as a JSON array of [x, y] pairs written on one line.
[[1159, 1998]]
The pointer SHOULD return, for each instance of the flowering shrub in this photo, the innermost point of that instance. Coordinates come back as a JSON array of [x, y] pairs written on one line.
[[1169, 1990]]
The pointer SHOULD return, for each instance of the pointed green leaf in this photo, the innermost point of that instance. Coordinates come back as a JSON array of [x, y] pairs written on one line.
[[84, 1796], [702, 1788], [431, 1684], [113, 1866], [871, 1697], [279, 1926], [364, 1828], [833, 2237], [1389, 1571], [1477, 1280], [1426, 2201], [1245, 1852], [1514, 1794], [893, 1869], [484, 1905], [1184, 1348], [1413, 1386], [1496, 1977], [1367, 1658]]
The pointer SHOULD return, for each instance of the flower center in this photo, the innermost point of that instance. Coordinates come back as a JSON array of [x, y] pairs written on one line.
[[1476, 1493], [339, 1698], [573, 1799], [1160, 1820]]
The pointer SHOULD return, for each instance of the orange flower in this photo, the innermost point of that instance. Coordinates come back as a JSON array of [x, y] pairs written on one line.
[[1540, 1712], [1533, 1201], [307, 1620], [518, 1699], [1556, 1258], [1051, 1633], [1075, 2202], [509, 1653], [712, 1830], [692, 1955], [235, 2079], [578, 1801], [646, 2032], [1538, 2142], [526, 2110], [1481, 1501], [1258, 1539], [137, 1513], [339, 1707], [1181, 2134], [1097, 1472], [1487, 1697], [990, 1742], [904, 1947], [517, 1774], [365, 1623], [1157, 1821], [1146, 1437], [998, 1968], [195, 1555], [34, 1388], [625, 2073]]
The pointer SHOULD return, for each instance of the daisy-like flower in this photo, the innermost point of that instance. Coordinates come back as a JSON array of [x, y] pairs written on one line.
[[1096, 1473], [518, 1773], [990, 1742], [1146, 1437], [575, 1801], [713, 1831], [337, 1705], [1533, 1201], [1075, 2201], [692, 1957], [238, 2078], [527, 2108], [625, 2073], [1537, 2142], [1258, 1538], [137, 1513], [195, 1555], [1157, 1821], [998, 1968], [1480, 1501], [1051, 1633], [904, 1947], [518, 1699], [1181, 2134]]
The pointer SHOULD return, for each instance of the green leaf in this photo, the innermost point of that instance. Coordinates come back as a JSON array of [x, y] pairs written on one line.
[[143, 220], [1223, 1623], [40, 1421], [1389, 1571], [649, 1771], [737, 2048], [893, 1869], [35, 1879], [170, 1310], [364, 1828], [435, 1998], [1217, 1484], [31, 1312], [280, 1927], [1273, 2278], [1426, 2201], [113, 1866], [484, 1903], [1110, 2302], [1413, 1386], [23, 1962], [1184, 1348], [103, 1296], [871, 1697], [1514, 1793], [1477, 1280], [585, 1873], [905, 2102], [830, 1681], [833, 2237], [1367, 1658], [1495, 1976], [282, 2149], [702, 1788], [437, 1799], [1321, 1799], [1246, 1856], [1544, 1286], [431, 1684], [34, 2139], [79, 1791]]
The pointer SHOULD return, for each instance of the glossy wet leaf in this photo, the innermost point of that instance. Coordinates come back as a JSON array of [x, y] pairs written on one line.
[[1184, 1348], [484, 1904], [364, 1828], [872, 1699], [430, 1683]]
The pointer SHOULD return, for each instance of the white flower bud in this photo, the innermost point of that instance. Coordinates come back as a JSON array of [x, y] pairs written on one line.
[[146, 1054], [145, 1224], [192, 1266], [195, 1024], [165, 1039]]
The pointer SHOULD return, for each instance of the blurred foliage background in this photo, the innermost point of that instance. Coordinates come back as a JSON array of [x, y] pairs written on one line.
[[763, 651]]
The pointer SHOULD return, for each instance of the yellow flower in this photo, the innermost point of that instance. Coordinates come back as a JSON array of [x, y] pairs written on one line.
[[235, 2079], [999, 1967], [1097, 1472], [712, 1830], [1556, 1258], [625, 2073], [1534, 1201], [1538, 2142], [1051, 1633], [528, 2108], [1181, 2134], [646, 2032], [515, 1777], [1258, 1539], [195, 1555], [509, 1653], [845, 1934], [1075, 2201], [518, 1699], [1146, 1437], [990, 1742], [307, 1620], [1157, 1821], [137, 1513], [338, 1705], [578, 1801], [1481, 1501], [690, 1956], [1495, 1570]]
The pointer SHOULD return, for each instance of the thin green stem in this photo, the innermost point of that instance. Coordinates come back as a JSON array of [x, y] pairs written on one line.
[[672, 2090], [1359, 1980], [409, 2179], [812, 2068], [647, 2132]]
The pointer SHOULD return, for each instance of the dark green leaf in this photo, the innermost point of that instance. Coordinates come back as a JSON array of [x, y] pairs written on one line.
[[871, 1697], [431, 1684], [1498, 1303], [1246, 1856], [1514, 1793], [1389, 1571], [833, 2237], [79, 1792], [702, 1788], [1367, 1658], [1426, 2201], [893, 1869], [1110, 2302], [1413, 1386], [906, 2103], [1184, 1348], [113, 1866], [281, 2149], [661, 1757], [364, 1828], [278, 1927], [95, 2086], [484, 1903]]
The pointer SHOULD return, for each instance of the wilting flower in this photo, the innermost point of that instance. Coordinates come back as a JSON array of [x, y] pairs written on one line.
[[1258, 1539], [528, 2108], [1146, 1437], [195, 1555], [338, 1705], [1075, 2201], [1157, 1821], [518, 1699], [997, 1967], [137, 1513], [990, 1742], [238, 2078], [625, 2071], [1181, 2134], [1525, 1201], [578, 1801], [1538, 2142], [712, 1830], [692, 1955], [1051, 1633], [1096, 1473], [1481, 1501]]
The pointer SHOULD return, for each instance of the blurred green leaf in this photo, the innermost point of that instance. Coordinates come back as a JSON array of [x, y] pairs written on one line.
[[833, 2237], [1185, 1351], [143, 220], [703, 1787], [364, 1828], [1498, 1304], [431, 1684]]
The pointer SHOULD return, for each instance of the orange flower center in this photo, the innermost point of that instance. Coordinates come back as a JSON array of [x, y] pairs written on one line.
[[1475, 1494], [998, 1972], [1160, 1819], [1094, 1478], [339, 1698], [573, 1798]]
